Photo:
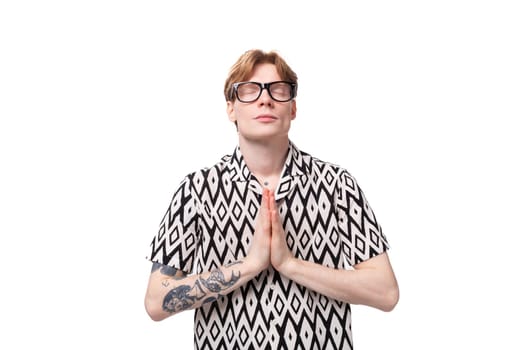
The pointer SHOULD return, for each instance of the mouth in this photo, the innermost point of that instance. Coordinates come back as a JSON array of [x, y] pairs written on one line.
[[265, 118]]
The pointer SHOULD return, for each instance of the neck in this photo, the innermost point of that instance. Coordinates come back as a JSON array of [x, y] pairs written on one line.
[[265, 159]]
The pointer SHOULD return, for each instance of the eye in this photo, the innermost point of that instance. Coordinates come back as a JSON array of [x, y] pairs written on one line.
[[249, 88]]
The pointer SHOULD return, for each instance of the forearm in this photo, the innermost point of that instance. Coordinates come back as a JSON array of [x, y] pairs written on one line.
[[168, 295], [375, 287]]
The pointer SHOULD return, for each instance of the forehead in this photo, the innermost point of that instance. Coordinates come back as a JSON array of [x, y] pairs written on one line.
[[265, 72]]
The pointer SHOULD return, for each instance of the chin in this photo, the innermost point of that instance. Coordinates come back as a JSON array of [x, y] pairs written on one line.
[[261, 136]]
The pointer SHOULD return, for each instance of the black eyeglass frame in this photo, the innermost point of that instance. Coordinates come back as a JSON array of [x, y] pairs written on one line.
[[262, 86]]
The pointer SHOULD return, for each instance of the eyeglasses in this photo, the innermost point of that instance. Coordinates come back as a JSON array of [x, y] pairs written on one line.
[[249, 91]]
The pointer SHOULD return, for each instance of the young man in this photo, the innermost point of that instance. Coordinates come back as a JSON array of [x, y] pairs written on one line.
[[270, 246]]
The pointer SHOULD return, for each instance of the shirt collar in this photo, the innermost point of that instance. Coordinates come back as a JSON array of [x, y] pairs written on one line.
[[296, 164]]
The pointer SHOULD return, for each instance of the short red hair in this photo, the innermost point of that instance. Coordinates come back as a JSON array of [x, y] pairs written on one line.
[[243, 69]]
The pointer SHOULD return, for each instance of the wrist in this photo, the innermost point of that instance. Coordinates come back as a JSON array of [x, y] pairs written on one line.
[[253, 268], [288, 267]]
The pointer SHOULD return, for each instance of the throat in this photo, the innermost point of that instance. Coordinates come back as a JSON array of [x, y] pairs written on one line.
[[268, 182]]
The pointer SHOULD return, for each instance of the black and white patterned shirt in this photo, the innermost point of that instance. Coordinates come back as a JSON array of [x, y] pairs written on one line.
[[326, 220]]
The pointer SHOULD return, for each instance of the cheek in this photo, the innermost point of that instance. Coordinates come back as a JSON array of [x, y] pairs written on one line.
[[241, 113], [293, 110]]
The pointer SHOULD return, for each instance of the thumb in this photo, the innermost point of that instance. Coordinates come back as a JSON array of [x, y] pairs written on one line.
[[275, 220]]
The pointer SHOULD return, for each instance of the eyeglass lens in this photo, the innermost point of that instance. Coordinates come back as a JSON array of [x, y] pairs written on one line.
[[280, 91]]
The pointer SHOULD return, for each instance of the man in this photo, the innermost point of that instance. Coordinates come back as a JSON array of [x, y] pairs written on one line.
[[270, 246]]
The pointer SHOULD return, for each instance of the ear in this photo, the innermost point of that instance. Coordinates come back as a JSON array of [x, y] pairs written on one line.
[[230, 111], [294, 110]]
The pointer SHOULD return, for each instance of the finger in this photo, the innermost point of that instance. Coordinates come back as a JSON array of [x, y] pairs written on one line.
[[272, 205], [264, 211], [267, 204], [276, 222]]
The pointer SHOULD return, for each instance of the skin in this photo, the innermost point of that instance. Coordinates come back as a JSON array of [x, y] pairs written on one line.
[[263, 127]]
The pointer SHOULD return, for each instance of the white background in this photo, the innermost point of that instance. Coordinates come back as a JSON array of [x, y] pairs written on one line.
[[105, 105]]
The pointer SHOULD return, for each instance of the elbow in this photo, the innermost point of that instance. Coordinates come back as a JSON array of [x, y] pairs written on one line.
[[155, 316], [154, 310], [390, 299]]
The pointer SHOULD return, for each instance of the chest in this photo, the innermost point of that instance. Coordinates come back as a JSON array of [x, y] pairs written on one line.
[[227, 222]]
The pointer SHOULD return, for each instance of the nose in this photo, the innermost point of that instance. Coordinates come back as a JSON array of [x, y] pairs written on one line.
[[265, 98]]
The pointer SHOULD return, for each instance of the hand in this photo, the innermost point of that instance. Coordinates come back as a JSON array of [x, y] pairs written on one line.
[[259, 253], [280, 253]]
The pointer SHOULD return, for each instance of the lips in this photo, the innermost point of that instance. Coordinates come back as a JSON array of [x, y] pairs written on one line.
[[265, 118]]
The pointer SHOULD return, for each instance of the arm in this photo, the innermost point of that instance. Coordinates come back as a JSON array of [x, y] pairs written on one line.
[[171, 291], [371, 282]]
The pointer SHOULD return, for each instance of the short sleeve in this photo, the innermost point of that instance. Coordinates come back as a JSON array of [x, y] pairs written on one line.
[[361, 235], [175, 243]]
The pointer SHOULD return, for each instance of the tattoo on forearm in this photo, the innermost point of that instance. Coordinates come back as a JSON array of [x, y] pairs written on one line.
[[199, 291], [216, 282], [178, 299], [209, 300], [155, 267], [184, 297], [167, 270]]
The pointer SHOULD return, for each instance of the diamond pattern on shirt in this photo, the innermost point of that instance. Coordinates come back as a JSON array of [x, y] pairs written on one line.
[[326, 219]]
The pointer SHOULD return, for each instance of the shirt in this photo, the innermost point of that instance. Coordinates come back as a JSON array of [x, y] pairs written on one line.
[[326, 219]]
